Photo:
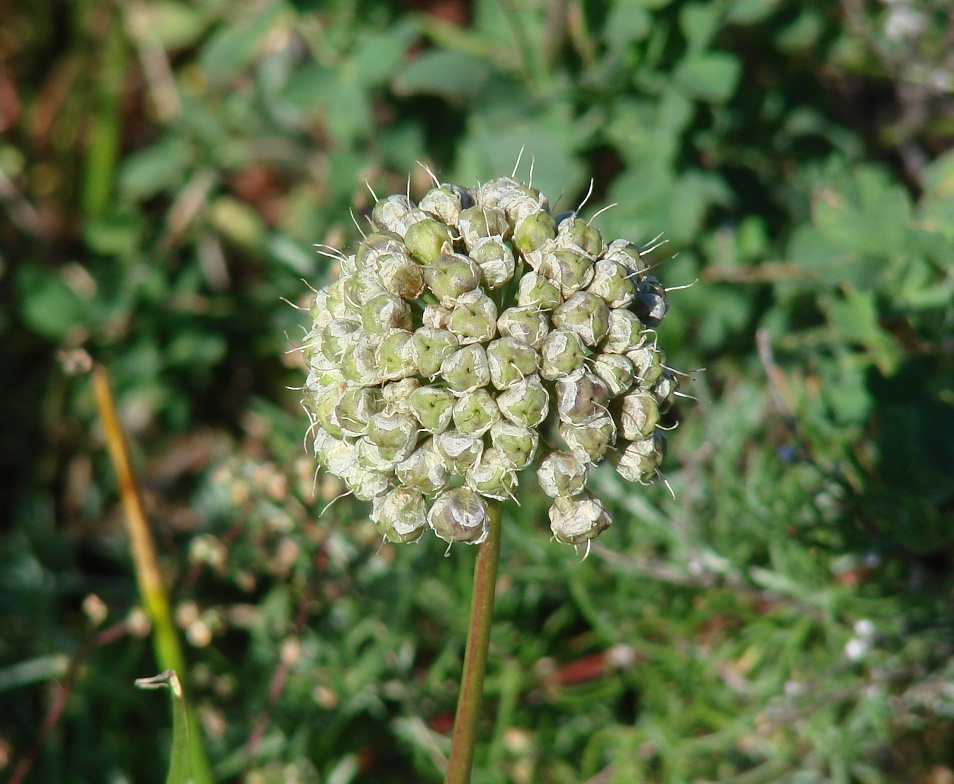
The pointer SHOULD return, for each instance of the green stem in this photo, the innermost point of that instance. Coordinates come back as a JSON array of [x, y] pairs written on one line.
[[475, 658]]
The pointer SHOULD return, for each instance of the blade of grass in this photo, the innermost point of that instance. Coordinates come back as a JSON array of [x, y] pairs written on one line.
[[180, 752], [146, 564]]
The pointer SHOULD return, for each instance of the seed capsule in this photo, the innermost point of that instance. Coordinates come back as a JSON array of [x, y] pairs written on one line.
[[476, 223], [460, 450], [473, 318], [510, 362], [400, 515], [650, 304], [527, 324], [390, 212], [371, 457], [537, 292], [623, 333], [614, 370], [534, 231], [581, 398], [365, 485], [384, 312], [664, 390], [574, 520], [355, 407], [475, 412], [647, 364], [424, 469], [359, 363], [561, 354], [466, 369], [573, 232], [612, 283], [448, 276], [433, 407], [592, 440], [428, 239], [525, 403], [638, 461], [336, 336], [430, 347], [495, 260], [400, 275], [585, 314], [446, 202], [517, 444], [569, 270], [435, 316], [394, 434], [562, 474], [376, 245], [492, 477], [395, 356], [397, 395], [627, 254], [638, 415], [460, 515]]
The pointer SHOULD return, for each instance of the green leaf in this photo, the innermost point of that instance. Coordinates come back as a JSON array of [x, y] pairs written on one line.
[[711, 76], [179, 765], [234, 46], [626, 23], [160, 167], [455, 76], [48, 305], [699, 23]]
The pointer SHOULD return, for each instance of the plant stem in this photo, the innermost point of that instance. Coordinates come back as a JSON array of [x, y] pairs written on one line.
[[475, 657]]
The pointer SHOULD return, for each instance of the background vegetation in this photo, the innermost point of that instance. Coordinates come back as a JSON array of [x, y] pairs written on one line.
[[165, 168]]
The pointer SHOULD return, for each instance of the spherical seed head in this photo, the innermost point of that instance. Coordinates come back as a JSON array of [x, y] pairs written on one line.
[[585, 314], [475, 412], [429, 366], [460, 515], [473, 318], [466, 369], [510, 362], [576, 519], [451, 275], [433, 407], [400, 515], [428, 239], [562, 474]]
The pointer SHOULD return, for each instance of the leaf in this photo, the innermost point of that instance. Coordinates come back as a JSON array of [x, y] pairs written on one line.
[[711, 76], [455, 76], [153, 169], [699, 23], [179, 765], [625, 23], [234, 46]]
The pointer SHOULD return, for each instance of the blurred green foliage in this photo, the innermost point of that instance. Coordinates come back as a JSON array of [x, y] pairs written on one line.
[[166, 167]]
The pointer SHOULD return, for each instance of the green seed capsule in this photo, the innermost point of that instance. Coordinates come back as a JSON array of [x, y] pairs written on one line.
[[517, 444], [585, 314], [528, 325], [664, 390], [577, 519], [360, 288], [638, 461], [573, 232], [611, 282], [495, 260], [375, 245], [336, 336], [614, 370], [526, 402], [445, 202], [394, 434], [390, 212], [478, 222], [366, 485], [561, 354], [355, 407], [427, 239], [510, 362], [335, 454], [581, 398], [321, 402], [359, 363], [624, 332], [534, 231], [590, 441], [450, 275], [627, 254], [397, 395], [372, 458], [400, 515], [473, 318], [460, 515], [433, 407], [400, 275], [475, 412], [562, 474], [492, 477], [435, 316], [466, 369], [460, 450], [431, 347], [537, 292], [514, 198], [638, 415], [647, 364], [395, 355], [385, 312], [424, 469]]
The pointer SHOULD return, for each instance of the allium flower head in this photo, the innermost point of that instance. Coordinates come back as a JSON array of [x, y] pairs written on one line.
[[472, 335]]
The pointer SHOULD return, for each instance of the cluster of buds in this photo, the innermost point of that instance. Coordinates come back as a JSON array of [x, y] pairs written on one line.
[[472, 334]]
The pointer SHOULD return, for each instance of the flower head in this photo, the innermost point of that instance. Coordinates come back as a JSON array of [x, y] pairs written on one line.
[[471, 335]]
